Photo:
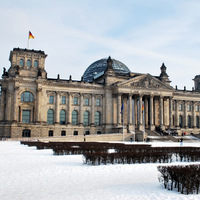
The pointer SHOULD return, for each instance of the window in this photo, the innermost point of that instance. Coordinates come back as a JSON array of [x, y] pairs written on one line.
[[26, 133], [87, 132], [197, 121], [75, 100], [74, 117], [27, 97], [97, 118], [51, 99], [28, 63], [63, 133], [180, 107], [86, 118], [197, 108], [62, 117], [181, 121], [21, 62], [98, 102], [189, 107], [50, 133], [26, 116], [87, 101], [189, 122], [50, 116], [63, 100], [75, 132], [35, 63]]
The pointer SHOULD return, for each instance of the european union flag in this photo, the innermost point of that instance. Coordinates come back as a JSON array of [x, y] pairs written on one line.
[[122, 107]]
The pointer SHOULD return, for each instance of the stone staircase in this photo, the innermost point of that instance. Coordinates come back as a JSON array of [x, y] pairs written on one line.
[[153, 136]]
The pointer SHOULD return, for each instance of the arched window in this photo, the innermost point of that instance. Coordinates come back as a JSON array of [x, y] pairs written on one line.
[[62, 117], [35, 63], [197, 121], [21, 62], [189, 121], [74, 117], [27, 97], [28, 63], [86, 120], [50, 116], [181, 121], [97, 118]]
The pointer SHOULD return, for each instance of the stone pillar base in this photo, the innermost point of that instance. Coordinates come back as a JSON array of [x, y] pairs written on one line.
[[141, 127], [152, 127], [130, 128]]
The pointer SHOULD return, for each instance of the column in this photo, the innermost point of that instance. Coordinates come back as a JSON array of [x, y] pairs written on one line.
[[69, 118], [57, 108], [81, 109], [38, 105], [8, 106], [114, 109], [104, 109], [177, 115], [161, 111], [151, 113], [15, 103], [135, 111], [130, 121], [140, 113], [164, 110], [125, 110], [119, 109], [170, 112], [2, 111], [146, 112], [92, 111]]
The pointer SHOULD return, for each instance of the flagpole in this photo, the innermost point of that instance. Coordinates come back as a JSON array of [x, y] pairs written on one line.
[[123, 123], [30, 35], [28, 44], [122, 113]]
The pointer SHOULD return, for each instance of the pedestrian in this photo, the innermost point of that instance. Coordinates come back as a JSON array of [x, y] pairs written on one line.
[[131, 139], [181, 140]]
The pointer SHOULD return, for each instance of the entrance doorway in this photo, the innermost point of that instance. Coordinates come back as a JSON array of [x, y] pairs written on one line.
[[26, 133]]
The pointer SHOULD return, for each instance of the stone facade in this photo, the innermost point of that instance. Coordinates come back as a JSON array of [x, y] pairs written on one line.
[[33, 105]]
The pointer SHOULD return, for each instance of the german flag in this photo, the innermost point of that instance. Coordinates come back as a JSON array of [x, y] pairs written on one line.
[[30, 35]]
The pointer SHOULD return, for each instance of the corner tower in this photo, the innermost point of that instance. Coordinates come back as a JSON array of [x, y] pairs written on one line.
[[26, 63]]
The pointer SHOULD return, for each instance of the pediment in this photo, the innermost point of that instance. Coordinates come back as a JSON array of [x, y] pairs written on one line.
[[145, 81]]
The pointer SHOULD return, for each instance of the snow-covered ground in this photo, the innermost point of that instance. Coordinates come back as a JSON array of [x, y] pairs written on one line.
[[30, 174]]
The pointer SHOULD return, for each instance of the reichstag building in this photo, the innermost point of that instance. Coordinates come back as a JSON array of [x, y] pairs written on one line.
[[109, 98]]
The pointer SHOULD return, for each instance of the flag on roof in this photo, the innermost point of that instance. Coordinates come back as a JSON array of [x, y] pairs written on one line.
[[30, 35]]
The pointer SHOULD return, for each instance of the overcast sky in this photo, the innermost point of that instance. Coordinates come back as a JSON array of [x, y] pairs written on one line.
[[75, 33]]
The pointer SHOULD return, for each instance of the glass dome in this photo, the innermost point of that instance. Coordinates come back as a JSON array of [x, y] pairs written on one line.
[[98, 68]]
